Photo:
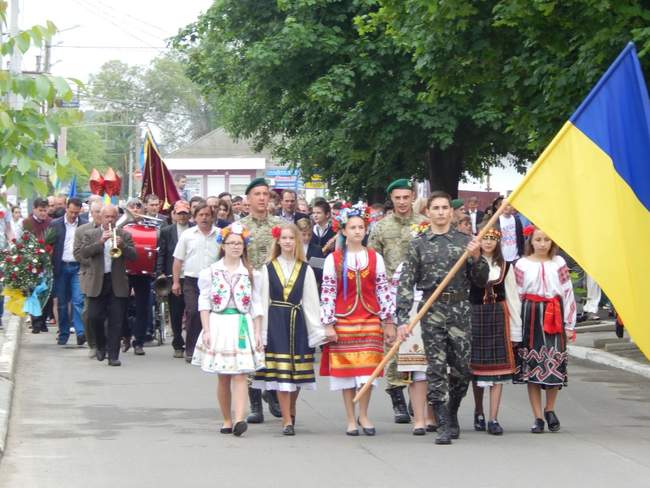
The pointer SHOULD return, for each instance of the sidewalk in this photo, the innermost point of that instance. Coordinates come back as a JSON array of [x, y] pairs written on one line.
[[9, 337], [597, 342]]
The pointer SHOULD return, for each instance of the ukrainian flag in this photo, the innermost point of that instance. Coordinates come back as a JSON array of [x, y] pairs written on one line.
[[590, 191]]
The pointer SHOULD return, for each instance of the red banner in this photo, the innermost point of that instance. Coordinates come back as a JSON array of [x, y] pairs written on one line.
[[156, 177]]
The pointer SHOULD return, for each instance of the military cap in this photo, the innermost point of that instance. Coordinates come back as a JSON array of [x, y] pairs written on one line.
[[256, 182], [401, 184], [457, 203]]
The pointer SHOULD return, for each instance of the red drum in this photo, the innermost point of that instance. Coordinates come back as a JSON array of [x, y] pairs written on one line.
[[145, 238]]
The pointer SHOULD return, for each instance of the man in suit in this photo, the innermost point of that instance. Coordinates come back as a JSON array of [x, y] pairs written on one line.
[[475, 215], [287, 211], [323, 235], [164, 263], [108, 285], [95, 213], [66, 272]]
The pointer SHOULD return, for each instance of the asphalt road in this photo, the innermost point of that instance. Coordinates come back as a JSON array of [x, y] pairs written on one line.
[[154, 423]]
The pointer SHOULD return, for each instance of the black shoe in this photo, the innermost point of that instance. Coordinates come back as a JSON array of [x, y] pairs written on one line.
[[442, 416], [432, 428], [271, 397], [239, 428], [479, 422], [60, 342], [81, 339], [44, 328], [552, 421], [101, 354], [400, 410], [126, 344], [538, 427], [454, 426], [419, 431], [138, 350], [36, 330], [619, 331], [494, 428], [225, 430], [255, 398], [352, 433], [369, 431], [114, 362], [288, 430]]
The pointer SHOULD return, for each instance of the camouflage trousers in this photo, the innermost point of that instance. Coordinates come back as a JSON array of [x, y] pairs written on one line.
[[447, 337], [394, 378]]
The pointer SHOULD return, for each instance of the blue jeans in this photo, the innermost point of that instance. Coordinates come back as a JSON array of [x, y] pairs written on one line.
[[68, 292]]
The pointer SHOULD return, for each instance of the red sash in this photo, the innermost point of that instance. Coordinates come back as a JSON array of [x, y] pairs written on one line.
[[552, 314]]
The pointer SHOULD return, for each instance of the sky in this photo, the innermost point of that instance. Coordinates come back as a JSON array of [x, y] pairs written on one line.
[[93, 32]]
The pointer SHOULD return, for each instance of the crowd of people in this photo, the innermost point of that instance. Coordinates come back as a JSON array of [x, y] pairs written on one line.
[[260, 284]]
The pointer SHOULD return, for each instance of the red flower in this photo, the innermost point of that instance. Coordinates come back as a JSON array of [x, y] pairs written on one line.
[[246, 300], [18, 259], [19, 246], [529, 229], [14, 276], [25, 236], [8, 260], [41, 241], [48, 249], [275, 232]]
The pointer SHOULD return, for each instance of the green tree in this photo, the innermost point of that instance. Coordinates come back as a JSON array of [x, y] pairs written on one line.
[[25, 130], [88, 147]]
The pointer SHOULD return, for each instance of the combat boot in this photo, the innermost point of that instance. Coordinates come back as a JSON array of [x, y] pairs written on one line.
[[255, 397], [454, 426], [399, 406], [271, 397], [442, 415]]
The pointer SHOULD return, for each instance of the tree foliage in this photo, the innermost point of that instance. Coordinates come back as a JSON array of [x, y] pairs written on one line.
[[28, 121]]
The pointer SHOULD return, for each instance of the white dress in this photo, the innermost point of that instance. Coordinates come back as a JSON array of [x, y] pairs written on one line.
[[232, 334]]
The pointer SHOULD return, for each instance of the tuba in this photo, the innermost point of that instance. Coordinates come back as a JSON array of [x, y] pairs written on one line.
[[162, 286], [115, 252]]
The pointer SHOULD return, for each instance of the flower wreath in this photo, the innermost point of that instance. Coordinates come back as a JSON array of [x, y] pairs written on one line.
[[234, 228], [348, 211]]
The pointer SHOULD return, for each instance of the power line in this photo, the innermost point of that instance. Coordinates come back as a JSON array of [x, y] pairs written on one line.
[[63, 46], [137, 19]]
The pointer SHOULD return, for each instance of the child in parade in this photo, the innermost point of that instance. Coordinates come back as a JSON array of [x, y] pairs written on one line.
[[290, 327], [313, 252], [496, 324], [231, 317], [548, 316], [355, 300], [412, 363]]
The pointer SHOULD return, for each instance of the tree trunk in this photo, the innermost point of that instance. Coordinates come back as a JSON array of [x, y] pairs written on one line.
[[445, 167]]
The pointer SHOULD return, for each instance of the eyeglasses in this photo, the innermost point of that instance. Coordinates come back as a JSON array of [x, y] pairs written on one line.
[[235, 244]]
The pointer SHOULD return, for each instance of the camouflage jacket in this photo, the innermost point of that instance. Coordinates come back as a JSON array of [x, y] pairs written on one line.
[[428, 260], [391, 238], [259, 248]]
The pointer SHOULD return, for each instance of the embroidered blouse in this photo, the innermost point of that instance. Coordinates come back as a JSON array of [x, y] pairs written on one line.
[[355, 261], [548, 279]]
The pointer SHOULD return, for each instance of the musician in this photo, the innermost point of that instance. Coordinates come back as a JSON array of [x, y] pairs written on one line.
[[196, 250], [107, 283], [152, 209], [323, 235], [164, 267]]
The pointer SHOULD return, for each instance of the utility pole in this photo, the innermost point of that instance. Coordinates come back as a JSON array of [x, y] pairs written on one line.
[[16, 57]]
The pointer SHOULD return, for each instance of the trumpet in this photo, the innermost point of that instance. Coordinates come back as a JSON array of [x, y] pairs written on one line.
[[115, 252]]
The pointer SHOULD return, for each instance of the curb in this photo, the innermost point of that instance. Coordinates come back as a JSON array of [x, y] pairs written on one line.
[[8, 356], [609, 359]]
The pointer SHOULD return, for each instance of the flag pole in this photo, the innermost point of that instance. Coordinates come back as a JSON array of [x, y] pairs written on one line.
[[427, 305]]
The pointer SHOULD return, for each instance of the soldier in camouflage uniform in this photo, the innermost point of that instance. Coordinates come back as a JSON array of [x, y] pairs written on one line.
[[260, 224], [390, 238], [446, 330]]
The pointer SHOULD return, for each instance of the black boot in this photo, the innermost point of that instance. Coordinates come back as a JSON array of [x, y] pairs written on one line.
[[271, 397], [454, 426], [255, 397], [399, 405], [442, 416]]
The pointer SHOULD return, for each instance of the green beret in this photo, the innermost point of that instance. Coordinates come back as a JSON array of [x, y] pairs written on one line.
[[457, 203], [401, 184], [256, 182]]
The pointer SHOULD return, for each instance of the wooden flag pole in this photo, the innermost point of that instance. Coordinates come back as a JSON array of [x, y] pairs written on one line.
[[427, 305]]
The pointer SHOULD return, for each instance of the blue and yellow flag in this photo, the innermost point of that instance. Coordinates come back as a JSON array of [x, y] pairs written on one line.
[[590, 191]]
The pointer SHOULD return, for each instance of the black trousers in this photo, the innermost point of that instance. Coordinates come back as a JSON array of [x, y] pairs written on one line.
[[141, 285], [176, 311], [191, 295], [107, 305]]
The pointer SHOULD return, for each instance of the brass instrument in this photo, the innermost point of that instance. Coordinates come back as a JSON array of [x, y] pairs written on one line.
[[162, 286], [115, 252]]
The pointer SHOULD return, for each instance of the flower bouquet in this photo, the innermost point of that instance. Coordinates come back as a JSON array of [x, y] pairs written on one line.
[[26, 274]]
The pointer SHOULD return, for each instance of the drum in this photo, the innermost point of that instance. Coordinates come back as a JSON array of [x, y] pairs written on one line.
[[145, 238]]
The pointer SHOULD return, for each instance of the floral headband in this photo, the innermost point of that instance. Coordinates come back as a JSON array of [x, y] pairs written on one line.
[[492, 234], [234, 228], [348, 211]]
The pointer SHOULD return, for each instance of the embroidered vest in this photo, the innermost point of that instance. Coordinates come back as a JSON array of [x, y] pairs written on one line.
[[361, 287], [222, 291]]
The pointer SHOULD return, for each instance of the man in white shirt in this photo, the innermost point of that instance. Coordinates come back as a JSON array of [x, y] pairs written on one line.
[[197, 249], [512, 235], [66, 272]]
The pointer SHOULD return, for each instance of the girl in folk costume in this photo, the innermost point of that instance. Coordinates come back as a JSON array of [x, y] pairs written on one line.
[[291, 329], [548, 316], [355, 299], [496, 324], [412, 363], [231, 315]]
